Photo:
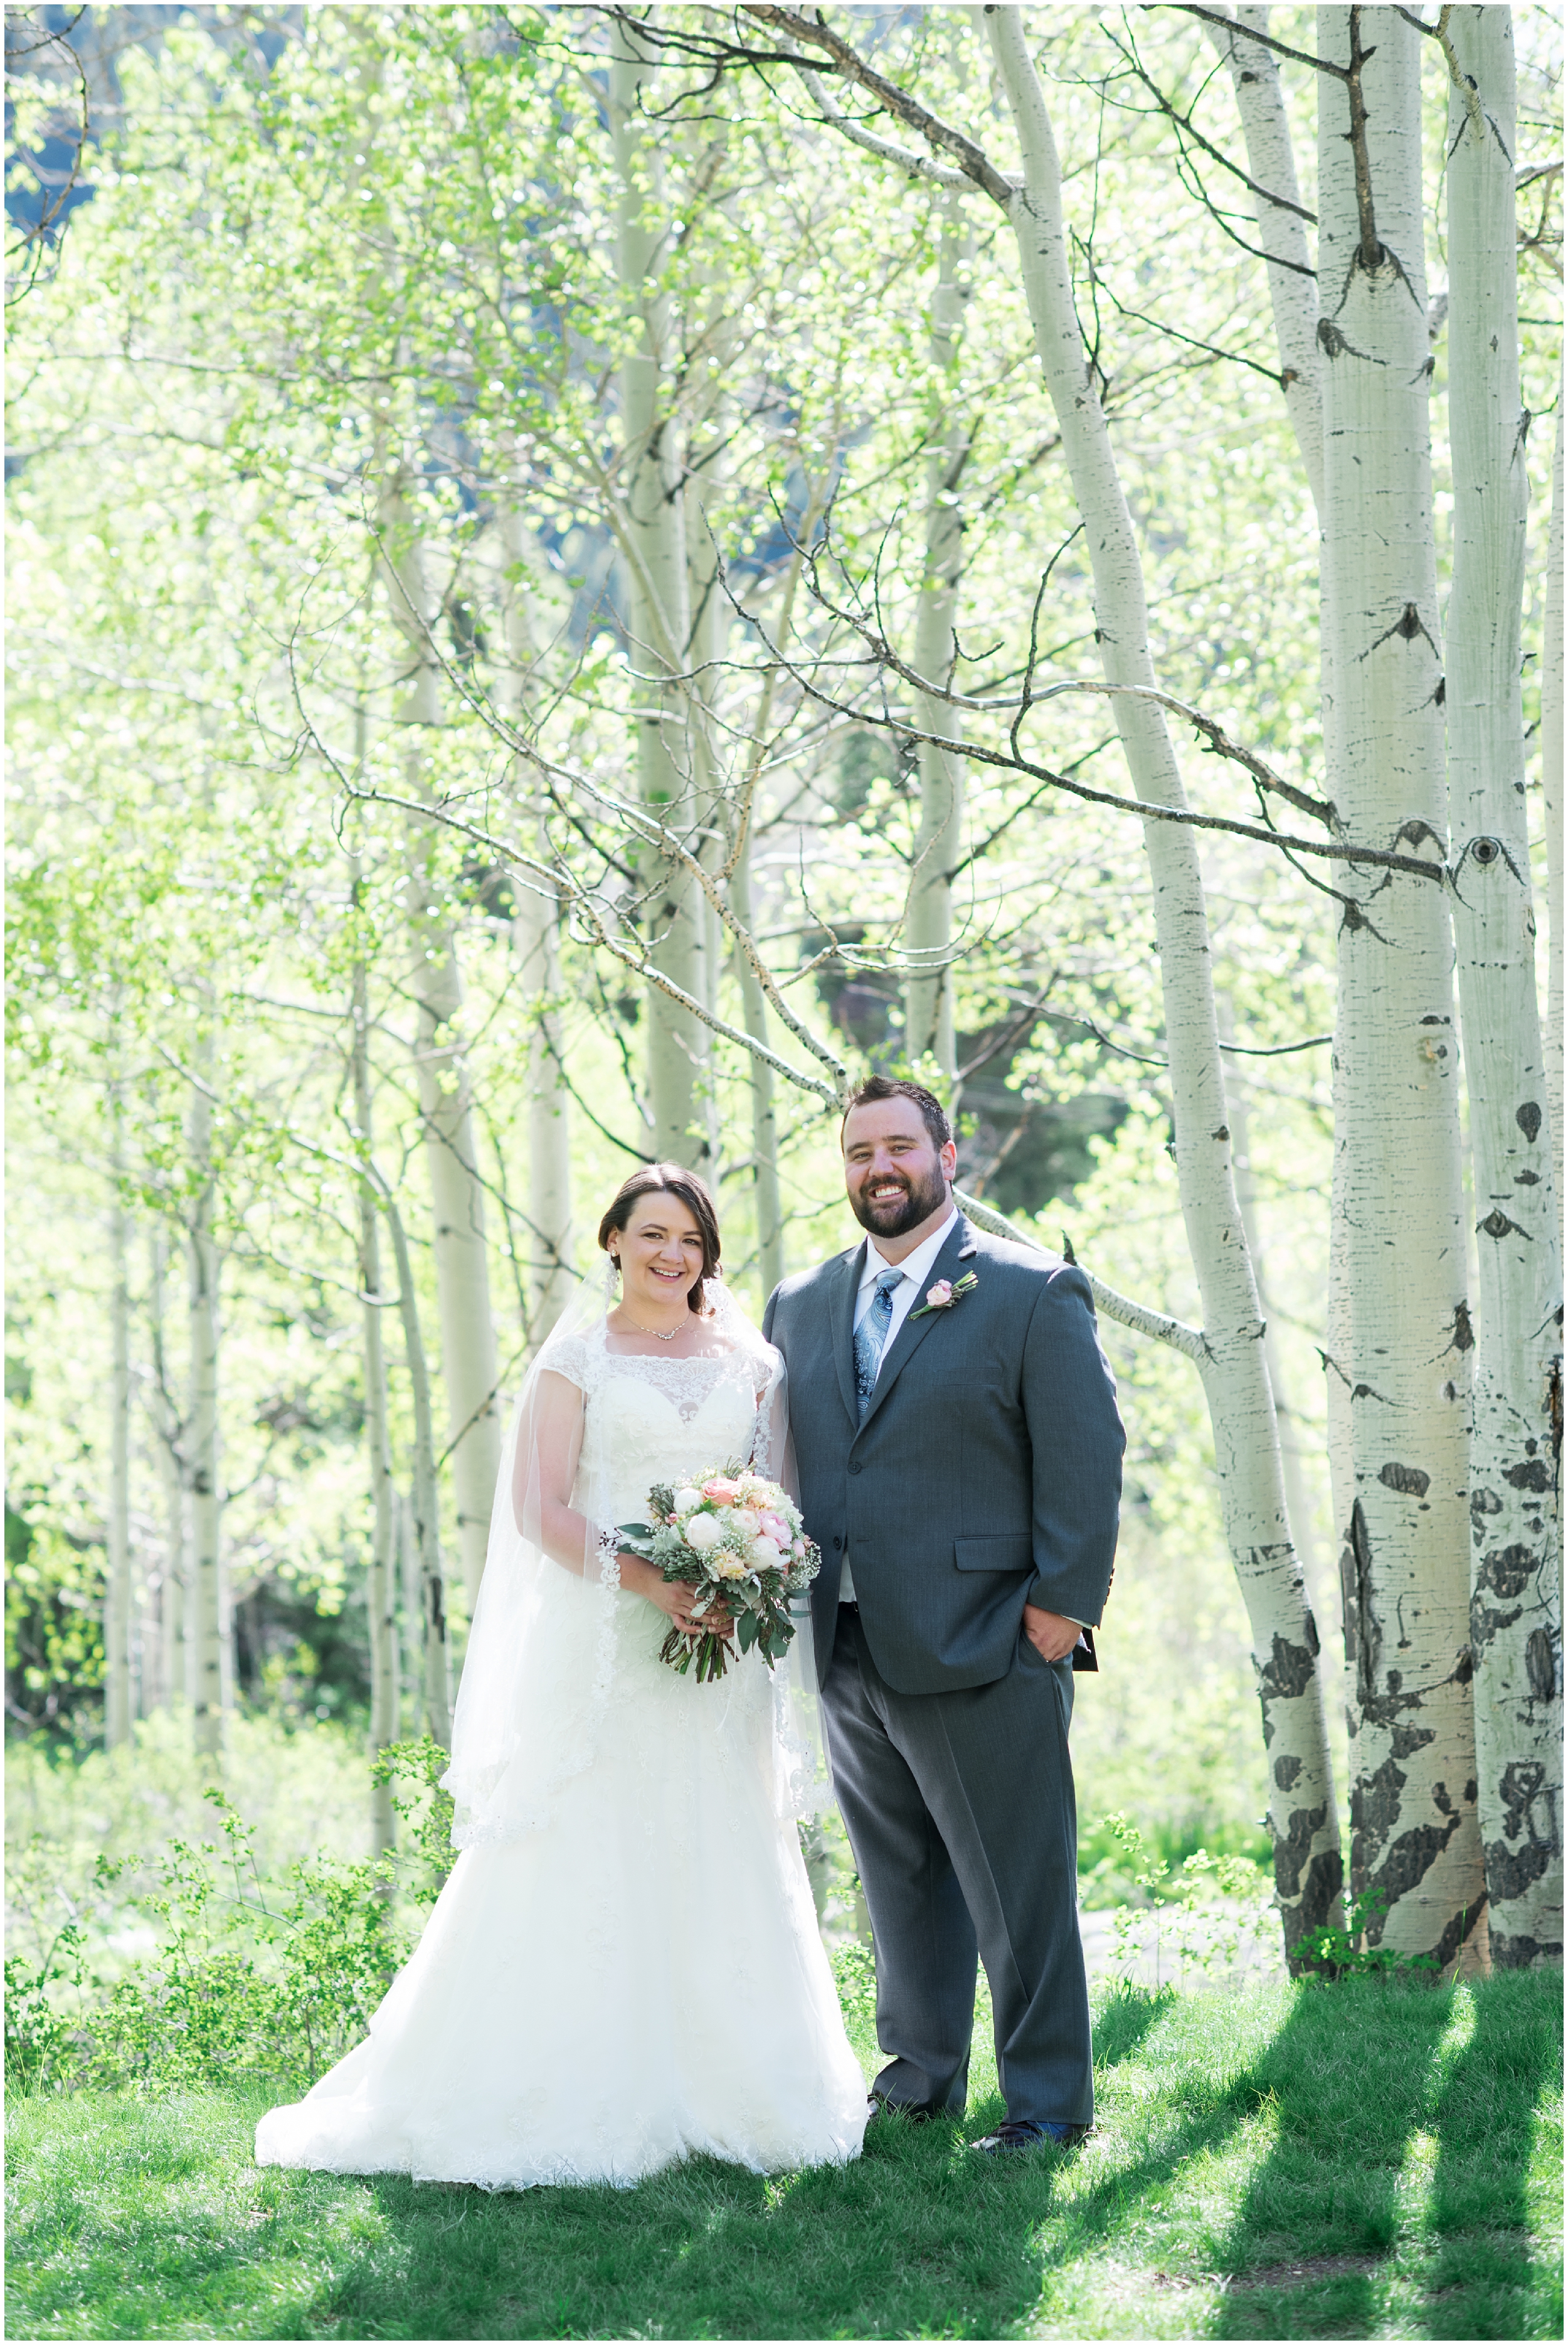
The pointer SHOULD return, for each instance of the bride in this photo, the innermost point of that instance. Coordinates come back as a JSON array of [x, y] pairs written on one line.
[[623, 1968]]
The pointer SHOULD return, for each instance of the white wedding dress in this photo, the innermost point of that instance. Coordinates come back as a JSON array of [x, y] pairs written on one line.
[[636, 1976]]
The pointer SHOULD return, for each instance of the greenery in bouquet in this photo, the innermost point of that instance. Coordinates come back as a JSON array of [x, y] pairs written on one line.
[[739, 1540]]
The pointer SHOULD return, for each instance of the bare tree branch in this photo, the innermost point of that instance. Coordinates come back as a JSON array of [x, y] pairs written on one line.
[[972, 159], [1155, 1324]]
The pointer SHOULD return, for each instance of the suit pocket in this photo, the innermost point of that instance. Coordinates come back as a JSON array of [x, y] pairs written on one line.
[[1004, 1551]]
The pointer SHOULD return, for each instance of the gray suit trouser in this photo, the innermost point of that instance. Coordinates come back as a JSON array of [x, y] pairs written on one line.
[[960, 1813]]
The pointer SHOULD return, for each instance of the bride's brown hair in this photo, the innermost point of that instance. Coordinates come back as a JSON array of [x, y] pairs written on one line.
[[693, 1193]]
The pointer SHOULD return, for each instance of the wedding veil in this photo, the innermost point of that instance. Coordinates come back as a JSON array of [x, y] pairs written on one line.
[[544, 1649]]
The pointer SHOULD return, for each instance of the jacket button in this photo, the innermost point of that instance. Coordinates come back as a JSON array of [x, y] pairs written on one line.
[[855, 1465], [837, 1542]]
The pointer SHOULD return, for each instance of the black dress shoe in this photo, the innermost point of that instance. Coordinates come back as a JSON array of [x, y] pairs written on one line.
[[1024, 2133]]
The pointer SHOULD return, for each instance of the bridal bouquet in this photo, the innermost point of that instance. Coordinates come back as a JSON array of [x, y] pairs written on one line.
[[741, 1543]]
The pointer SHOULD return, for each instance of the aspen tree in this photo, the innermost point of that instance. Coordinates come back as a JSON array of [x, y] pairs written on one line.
[[469, 1366], [1303, 1818], [1515, 1598], [380, 1590], [424, 1522], [707, 640], [653, 537], [413, 1642], [536, 941], [928, 913], [211, 1681], [1551, 798], [119, 1708], [1293, 1445], [173, 1609], [1397, 1233], [1281, 220], [766, 1189]]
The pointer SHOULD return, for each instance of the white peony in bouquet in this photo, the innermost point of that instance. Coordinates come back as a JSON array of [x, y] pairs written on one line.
[[741, 1543]]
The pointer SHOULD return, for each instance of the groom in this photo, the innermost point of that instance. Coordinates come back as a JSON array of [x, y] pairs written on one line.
[[956, 1428]]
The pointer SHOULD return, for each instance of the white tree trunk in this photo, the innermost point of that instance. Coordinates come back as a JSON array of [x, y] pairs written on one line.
[[1515, 1601], [435, 1691], [708, 640], [381, 1585], [1551, 800], [929, 912], [173, 1609], [1295, 1442], [468, 1365], [1301, 1807], [211, 1681], [469, 1368], [412, 1648], [119, 1707], [1282, 231], [655, 550], [766, 1195], [536, 941], [1397, 1232], [766, 1188], [1293, 292]]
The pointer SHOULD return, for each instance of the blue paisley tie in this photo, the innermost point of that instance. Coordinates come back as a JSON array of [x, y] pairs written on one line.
[[870, 1337]]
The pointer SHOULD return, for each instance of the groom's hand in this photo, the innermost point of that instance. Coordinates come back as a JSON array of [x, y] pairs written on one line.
[[1052, 1634]]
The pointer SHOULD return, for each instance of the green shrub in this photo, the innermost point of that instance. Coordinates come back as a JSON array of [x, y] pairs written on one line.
[[39, 2035], [251, 1977], [1349, 1953], [855, 1975]]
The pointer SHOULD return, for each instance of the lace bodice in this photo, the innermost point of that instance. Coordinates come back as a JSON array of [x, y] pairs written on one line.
[[561, 1655], [650, 1420]]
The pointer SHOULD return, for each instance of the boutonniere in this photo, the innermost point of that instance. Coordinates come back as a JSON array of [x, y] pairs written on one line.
[[943, 1295]]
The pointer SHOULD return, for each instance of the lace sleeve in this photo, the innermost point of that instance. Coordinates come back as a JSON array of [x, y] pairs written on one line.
[[566, 1355], [769, 1431]]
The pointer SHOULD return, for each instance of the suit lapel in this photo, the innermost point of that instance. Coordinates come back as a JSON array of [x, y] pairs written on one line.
[[914, 1332], [843, 1308]]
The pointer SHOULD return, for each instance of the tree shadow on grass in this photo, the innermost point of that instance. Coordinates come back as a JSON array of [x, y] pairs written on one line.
[[1125, 2019], [1482, 2281], [918, 2238], [1351, 2075]]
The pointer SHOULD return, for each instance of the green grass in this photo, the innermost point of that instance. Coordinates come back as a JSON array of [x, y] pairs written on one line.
[[1365, 2160]]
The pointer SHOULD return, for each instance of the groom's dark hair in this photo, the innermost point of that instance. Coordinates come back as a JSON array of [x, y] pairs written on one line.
[[932, 1114]]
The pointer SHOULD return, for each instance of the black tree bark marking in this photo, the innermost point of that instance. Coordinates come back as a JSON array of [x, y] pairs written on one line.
[[1458, 1930], [1409, 1479], [1540, 1664], [1363, 1637], [1509, 1570]]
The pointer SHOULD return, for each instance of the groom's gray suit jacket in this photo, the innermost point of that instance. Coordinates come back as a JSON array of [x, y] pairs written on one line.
[[987, 1472]]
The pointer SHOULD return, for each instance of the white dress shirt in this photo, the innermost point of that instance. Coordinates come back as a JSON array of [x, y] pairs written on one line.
[[917, 1268]]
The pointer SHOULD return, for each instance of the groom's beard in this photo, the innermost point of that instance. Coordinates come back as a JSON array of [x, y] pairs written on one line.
[[890, 1217]]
